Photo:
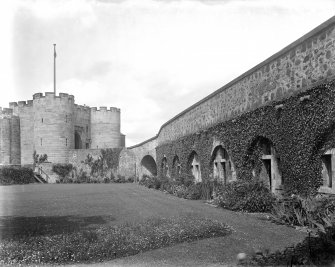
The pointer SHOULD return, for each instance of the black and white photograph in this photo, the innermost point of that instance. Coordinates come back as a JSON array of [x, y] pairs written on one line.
[[167, 133]]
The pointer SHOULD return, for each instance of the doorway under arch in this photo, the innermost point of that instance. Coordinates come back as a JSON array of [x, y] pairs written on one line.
[[194, 165], [267, 166], [223, 167], [148, 165], [77, 140]]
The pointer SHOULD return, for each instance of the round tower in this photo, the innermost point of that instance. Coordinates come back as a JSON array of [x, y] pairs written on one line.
[[53, 125], [105, 127], [9, 137]]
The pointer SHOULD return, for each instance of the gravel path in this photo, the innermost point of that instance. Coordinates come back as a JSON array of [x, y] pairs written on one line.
[[120, 203]]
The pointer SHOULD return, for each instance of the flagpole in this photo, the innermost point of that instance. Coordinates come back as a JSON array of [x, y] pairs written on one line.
[[55, 69]]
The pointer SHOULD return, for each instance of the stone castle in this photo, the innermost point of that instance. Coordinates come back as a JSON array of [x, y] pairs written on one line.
[[54, 125]]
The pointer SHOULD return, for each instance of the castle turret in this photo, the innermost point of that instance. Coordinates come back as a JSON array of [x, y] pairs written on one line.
[[105, 127], [53, 125], [9, 137]]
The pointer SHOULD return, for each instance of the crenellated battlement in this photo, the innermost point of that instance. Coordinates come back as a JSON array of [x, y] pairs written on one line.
[[104, 109], [14, 105], [52, 124], [48, 95]]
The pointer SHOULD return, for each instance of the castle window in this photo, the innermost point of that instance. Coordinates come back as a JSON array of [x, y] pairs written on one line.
[[41, 142], [66, 142], [42, 120], [327, 170], [86, 128]]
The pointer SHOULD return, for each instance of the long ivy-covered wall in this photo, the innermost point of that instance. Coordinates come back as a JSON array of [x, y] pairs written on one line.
[[300, 128]]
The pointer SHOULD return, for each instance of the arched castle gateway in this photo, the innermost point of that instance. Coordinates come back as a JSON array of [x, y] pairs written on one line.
[[56, 126]]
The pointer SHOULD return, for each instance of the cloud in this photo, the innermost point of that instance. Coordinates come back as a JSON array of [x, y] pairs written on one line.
[[95, 70], [150, 58]]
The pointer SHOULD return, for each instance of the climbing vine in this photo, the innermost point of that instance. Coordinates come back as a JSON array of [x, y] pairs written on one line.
[[300, 128], [105, 163]]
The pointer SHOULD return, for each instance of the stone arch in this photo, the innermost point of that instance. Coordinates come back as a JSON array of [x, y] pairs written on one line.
[[78, 144], [194, 166], [165, 167], [222, 165], [324, 150], [176, 167], [148, 166], [265, 163]]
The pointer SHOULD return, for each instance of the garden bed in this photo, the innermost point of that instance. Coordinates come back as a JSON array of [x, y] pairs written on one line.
[[107, 242]]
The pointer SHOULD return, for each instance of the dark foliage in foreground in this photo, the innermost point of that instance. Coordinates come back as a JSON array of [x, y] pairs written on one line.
[[106, 243], [314, 250], [250, 196], [16, 175]]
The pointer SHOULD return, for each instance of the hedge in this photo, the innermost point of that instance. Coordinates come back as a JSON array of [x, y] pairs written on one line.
[[301, 131], [16, 175]]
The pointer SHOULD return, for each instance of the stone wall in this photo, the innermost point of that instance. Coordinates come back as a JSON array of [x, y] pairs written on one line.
[[301, 65], [53, 125], [146, 148], [127, 163], [25, 112], [9, 139], [48, 124], [77, 158], [105, 127], [82, 125]]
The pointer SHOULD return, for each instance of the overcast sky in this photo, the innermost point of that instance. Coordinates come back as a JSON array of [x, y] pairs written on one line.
[[151, 58]]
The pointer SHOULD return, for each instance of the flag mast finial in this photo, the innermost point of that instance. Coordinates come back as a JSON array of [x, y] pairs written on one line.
[[55, 69]]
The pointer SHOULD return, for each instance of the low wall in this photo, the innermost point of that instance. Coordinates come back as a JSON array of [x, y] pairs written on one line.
[[77, 158]]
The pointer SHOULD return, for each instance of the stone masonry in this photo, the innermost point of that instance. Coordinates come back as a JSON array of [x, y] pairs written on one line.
[[55, 125]]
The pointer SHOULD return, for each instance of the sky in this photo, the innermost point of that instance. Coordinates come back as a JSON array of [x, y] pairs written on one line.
[[151, 58]]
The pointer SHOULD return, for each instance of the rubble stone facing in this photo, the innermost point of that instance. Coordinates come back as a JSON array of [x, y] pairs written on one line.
[[52, 125], [303, 64]]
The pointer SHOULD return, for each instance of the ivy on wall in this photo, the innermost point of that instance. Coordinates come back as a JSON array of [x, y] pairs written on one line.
[[300, 128], [108, 161]]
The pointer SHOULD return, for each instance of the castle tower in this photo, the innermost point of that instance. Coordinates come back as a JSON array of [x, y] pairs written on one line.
[[105, 127], [53, 125], [9, 137], [24, 110]]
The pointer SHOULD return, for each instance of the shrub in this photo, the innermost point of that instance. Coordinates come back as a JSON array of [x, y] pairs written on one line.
[[82, 177], [16, 175], [250, 196], [317, 250], [131, 179], [62, 170], [150, 181], [314, 213], [120, 179], [194, 191]]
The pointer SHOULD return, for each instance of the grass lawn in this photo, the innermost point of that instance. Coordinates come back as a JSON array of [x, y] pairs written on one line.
[[36, 216], [89, 223]]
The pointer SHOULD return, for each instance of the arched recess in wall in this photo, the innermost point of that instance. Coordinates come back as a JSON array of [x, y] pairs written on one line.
[[265, 163], [324, 149], [176, 167], [194, 166], [222, 165], [77, 140], [165, 167], [148, 165]]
